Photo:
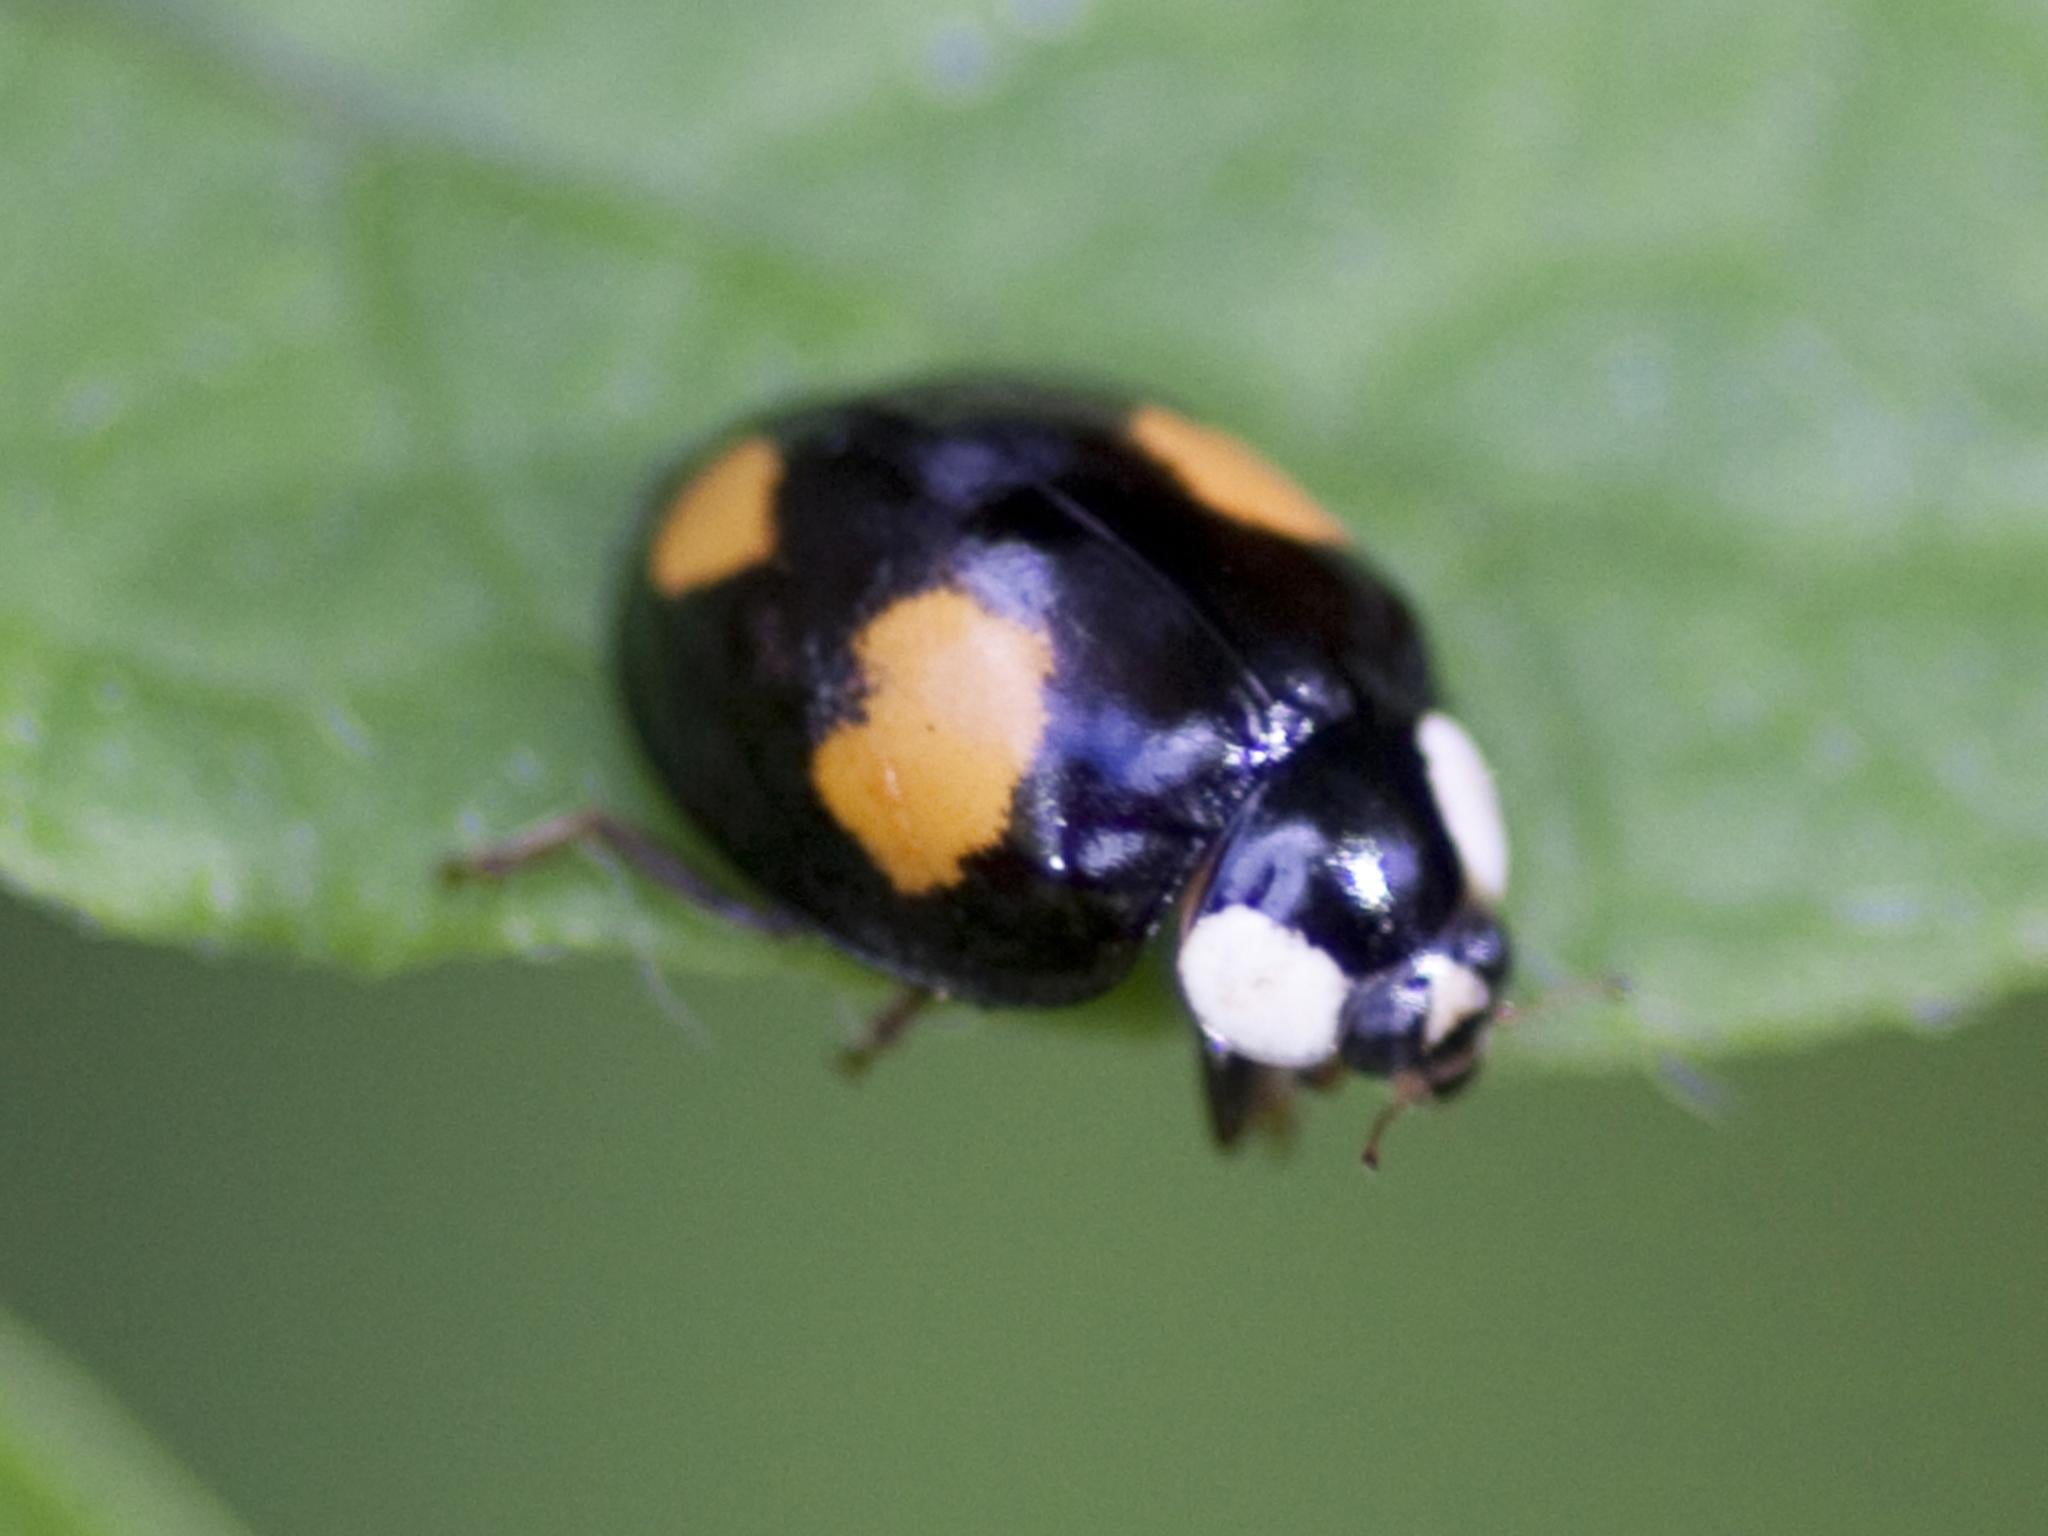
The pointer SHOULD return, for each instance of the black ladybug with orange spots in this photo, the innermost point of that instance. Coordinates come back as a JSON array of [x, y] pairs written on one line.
[[987, 682]]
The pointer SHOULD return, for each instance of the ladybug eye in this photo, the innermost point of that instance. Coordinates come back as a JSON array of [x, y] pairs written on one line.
[[1391, 1019], [1380, 1021], [1387, 1006]]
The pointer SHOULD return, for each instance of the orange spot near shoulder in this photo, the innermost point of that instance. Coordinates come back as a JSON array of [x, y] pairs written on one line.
[[720, 523], [955, 711], [1230, 479]]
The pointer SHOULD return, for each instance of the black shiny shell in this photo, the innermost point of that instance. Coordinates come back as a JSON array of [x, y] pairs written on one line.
[[1179, 651]]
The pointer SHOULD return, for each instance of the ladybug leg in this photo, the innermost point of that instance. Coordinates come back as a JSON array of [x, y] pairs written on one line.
[[1324, 1078], [1244, 1096], [1277, 1115], [884, 1028], [644, 854], [1409, 1088]]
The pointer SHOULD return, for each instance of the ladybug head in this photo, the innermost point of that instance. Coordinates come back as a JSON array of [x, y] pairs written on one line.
[[1347, 920]]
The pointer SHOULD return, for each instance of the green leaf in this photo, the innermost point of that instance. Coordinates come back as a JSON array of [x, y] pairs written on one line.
[[1688, 364], [72, 1463]]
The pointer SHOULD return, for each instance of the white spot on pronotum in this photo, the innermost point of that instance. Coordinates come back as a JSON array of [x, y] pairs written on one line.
[[1462, 785], [1261, 989], [1456, 992]]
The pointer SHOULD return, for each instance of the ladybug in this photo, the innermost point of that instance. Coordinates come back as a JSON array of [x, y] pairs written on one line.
[[985, 682]]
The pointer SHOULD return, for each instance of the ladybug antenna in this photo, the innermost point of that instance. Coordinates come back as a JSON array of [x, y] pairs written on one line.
[[1582, 989], [1409, 1088]]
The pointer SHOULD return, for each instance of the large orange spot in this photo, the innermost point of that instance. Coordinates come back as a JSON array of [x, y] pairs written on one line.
[[1230, 479], [955, 710], [720, 523]]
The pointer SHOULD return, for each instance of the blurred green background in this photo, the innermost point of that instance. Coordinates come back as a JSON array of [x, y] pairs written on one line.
[[495, 1251], [1689, 362]]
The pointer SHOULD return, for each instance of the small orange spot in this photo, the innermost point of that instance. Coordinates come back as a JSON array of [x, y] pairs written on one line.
[[720, 523], [1230, 479], [954, 713]]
